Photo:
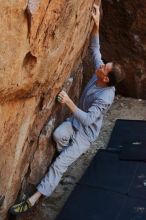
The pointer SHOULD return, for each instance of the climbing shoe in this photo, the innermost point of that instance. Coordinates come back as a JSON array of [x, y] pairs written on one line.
[[20, 208]]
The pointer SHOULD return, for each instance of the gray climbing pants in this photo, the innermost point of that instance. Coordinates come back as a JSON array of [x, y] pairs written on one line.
[[71, 144]]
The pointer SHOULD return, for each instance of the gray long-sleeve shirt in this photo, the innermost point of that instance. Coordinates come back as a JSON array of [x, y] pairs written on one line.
[[94, 102]]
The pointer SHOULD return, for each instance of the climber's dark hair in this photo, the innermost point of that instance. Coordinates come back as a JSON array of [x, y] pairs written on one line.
[[116, 75]]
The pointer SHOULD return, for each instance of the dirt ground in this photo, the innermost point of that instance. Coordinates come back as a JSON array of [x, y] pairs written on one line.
[[123, 108]]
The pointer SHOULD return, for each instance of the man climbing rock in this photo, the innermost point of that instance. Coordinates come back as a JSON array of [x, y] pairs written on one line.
[[75, 135]]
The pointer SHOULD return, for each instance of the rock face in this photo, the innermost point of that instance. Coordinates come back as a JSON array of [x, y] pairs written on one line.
[[42, 44], [123, 39]]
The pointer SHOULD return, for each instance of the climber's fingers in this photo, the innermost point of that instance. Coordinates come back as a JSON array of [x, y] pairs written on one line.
[[97, 3], [62, 97], [96, 7], [95, 12]]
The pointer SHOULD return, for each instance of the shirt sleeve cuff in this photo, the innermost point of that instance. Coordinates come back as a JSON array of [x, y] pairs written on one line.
[[95, 41]]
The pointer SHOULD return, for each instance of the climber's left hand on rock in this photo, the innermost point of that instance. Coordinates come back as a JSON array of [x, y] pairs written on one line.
[[63, 97]]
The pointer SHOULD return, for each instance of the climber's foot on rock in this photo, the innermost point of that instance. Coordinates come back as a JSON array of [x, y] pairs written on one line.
[[21, 207]]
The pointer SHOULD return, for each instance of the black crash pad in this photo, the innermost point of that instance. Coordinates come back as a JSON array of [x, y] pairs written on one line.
[[126, 133], [112, 189], [108, 172], [134, 209], [133, 152], [138, 186], [87, 203]]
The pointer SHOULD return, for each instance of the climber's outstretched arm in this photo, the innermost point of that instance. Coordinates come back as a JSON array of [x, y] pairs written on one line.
[[95, 45], [96, 18]]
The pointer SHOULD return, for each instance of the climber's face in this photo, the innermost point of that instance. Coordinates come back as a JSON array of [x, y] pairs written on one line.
[[103, 71]]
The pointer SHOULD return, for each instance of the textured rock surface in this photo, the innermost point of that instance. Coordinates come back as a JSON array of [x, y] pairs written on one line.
[[42, 43], [123, 39]]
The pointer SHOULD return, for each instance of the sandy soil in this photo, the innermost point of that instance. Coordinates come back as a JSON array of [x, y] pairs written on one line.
[[123, 108]]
